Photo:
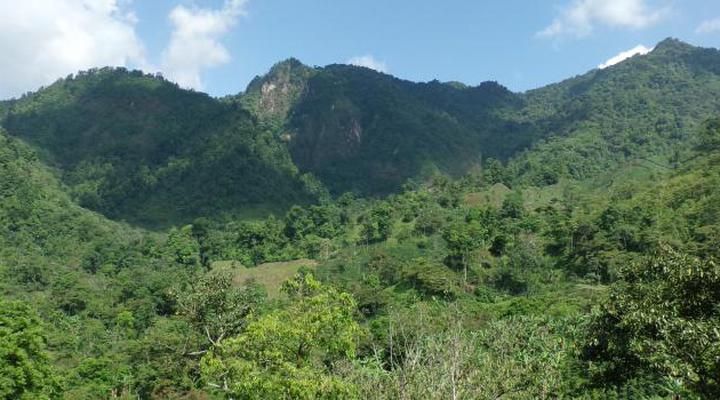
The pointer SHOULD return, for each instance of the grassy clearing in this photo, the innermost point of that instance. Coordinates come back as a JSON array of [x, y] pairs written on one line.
[[493, 196], [270, 275]]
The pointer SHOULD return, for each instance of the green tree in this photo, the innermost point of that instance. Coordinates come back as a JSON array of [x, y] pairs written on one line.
[[298, 223], [182, 247], [494, 172], [512, 206], [289, 353], [710, 135], [216, 307], [462, 240], [662, 321], [377, 225], [25, 370]]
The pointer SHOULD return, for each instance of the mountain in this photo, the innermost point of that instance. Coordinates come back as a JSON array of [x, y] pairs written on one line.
[[645, 107], [138, 148], [360, 130]]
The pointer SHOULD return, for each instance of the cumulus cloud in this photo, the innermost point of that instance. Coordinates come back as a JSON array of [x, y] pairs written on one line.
[[580, 18], [368, 61], [709, 26], [42, 40], [639, 49], [195, 41]]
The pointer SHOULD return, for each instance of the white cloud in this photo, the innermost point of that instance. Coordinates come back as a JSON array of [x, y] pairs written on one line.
[[42, 40], [581, 17], [622, 56], [368, 61], [709, 26], [195, 41]]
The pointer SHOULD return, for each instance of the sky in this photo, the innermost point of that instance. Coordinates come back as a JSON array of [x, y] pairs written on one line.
[[218, 46]]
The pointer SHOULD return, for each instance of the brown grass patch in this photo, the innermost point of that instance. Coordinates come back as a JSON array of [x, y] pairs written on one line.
[[270, 275]]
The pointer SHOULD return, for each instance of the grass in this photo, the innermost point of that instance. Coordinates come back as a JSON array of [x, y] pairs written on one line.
[[493, 196], [270, 275]]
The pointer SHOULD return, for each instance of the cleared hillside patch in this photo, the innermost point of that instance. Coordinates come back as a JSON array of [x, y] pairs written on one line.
[[270, 275]]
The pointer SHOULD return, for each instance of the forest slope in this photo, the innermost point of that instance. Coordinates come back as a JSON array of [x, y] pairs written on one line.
[[136, 147]]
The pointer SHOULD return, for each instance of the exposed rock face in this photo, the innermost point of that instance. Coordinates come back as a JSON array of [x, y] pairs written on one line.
[[275, 97], [274, 94], [348, 126]]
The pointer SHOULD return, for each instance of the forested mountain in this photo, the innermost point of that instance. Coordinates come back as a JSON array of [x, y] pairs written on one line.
[[337, 232], [128, 145], [645, 107], [139, 148]]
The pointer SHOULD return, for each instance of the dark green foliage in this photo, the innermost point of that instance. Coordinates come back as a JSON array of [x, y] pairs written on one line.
[[25, 369], [137, 147], [710, 135], [132, 145], [357, 129], [661, 321]]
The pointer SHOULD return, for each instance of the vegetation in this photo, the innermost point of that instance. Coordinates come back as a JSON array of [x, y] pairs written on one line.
[[577, 259]]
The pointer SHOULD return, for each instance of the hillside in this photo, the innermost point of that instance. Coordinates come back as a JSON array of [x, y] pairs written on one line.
[[645, 107], [158, 243], [138, 148], [360, 130]]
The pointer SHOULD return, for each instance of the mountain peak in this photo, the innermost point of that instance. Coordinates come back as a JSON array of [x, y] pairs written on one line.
[[672, 45], [290, 64], [273, 94], [290, 69]]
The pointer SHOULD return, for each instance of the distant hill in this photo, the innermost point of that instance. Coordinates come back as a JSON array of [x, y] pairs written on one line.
[[645, 107], [360, 130]]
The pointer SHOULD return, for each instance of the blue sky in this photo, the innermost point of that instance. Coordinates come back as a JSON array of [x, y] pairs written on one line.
[[218, 46]]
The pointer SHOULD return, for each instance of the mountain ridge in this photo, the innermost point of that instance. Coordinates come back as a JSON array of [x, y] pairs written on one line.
[[124, 141]]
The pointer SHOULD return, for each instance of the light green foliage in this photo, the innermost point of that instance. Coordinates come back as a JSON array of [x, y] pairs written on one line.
[[25, 369], [439, 357], [215, 306], [289, 353], [463, 239], [182, 247]]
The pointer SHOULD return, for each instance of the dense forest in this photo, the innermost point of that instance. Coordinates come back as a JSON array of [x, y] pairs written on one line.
[[338, 233]]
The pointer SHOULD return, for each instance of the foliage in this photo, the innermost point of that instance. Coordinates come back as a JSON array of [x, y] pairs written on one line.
[[132, 146], [214, 305], [25, 369], [661, 319], [478, 285], [290, 353]]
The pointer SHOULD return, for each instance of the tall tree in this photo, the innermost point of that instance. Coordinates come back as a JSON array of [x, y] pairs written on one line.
[[289, 353], [25, 369]]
